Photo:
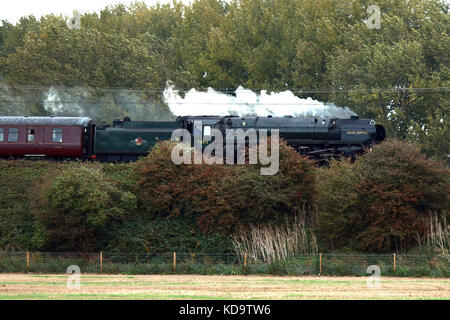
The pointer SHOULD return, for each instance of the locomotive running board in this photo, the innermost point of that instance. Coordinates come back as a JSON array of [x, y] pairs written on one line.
[[323, 150]]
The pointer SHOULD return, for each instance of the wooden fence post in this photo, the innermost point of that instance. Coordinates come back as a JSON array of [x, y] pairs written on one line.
[[28, 260], [320, 263], [101, 261], [395, 261], [174, 262], [245, 260]]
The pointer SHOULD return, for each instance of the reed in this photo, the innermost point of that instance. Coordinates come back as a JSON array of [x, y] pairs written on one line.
[[439, 235], [268, 243]]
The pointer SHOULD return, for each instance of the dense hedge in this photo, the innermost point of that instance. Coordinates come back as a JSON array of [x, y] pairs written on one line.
[[223, 198], [383, 201], [43, 207], [75, 207], [17, 223], [379, 203]]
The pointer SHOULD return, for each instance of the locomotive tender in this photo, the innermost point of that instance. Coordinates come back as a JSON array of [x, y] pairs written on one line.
[[81, 138]]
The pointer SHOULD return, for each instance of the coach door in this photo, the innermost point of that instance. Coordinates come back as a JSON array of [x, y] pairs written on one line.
[[35, 138]]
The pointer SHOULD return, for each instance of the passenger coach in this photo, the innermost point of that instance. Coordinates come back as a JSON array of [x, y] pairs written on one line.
[[68, 137]]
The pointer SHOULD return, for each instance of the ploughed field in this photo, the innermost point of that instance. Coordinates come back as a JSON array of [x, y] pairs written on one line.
[[34, 286]]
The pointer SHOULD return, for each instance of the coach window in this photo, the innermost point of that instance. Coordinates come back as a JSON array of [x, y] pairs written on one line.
[[30, 135], [13, 135], [57, 135], [2, 135]]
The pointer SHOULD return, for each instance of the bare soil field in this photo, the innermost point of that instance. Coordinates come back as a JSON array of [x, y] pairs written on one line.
[[34, 286]]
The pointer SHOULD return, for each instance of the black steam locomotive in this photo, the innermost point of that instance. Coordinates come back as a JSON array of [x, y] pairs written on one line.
[[320, 139], [126, 140]]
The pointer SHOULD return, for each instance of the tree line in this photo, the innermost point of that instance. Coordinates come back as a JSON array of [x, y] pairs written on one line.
[[397, 74]]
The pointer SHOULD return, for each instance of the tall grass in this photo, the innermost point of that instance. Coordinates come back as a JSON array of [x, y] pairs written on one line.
[[439, 236], [275, 243]]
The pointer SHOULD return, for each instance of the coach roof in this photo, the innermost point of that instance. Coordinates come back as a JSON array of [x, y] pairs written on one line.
[[56, 121]]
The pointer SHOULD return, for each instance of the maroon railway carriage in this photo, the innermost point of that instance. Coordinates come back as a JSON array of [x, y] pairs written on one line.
[[68, 137]]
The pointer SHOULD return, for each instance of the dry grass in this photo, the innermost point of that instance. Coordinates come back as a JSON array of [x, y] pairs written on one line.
[[439, 236], [269, 243], [29, 286]]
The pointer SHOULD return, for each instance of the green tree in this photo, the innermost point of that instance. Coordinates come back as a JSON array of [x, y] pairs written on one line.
[[379, 67]]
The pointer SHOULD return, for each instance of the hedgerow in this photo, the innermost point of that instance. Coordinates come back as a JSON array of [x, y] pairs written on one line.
[[223, 198], [383, 201], [75, 206]]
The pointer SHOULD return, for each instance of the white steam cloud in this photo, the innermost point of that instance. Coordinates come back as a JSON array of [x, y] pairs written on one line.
[[105, 105], [55, 104], [110, 104], [248, 103]]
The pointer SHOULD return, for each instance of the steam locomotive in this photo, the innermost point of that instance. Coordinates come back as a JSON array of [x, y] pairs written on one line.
[[126, 140]]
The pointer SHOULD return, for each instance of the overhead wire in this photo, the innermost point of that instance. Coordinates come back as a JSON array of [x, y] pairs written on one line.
[[225, 90]]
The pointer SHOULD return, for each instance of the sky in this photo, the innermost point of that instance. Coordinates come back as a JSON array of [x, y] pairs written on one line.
[[13, 10]]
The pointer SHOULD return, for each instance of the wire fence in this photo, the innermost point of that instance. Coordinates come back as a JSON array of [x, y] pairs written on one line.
[[225, 263]]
